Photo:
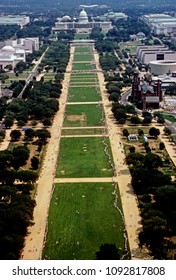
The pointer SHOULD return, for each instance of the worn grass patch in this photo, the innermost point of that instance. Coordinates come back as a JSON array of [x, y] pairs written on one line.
[[81, 218], [86, 131], [81, 157], [83, 75], [84, 115], [83, 94]]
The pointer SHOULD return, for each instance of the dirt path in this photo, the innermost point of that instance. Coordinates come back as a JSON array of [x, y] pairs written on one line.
[[123, 176], [84, 180], [34, 241], [5, 143]]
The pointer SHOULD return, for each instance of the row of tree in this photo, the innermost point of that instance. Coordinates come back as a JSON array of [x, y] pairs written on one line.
[[39, 102], [156, 195]]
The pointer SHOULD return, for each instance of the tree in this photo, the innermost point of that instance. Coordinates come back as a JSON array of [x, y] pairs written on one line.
[[167, 131], [152, 161], [15, 135], [34, 162], [42, 134], [30, 133], [8, 122], [125, 132], [161, 146], [47, 122], [135, 120], [114, 96], [107, 252], [135, 159], [132, 149], [147, 120], [140, 132], [154, 132], [20, 156]]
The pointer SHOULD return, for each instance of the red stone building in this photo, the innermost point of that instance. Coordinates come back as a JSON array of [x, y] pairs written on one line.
[[145, 93]]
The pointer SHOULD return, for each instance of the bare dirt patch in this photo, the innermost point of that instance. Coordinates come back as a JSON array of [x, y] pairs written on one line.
[[74, 118]]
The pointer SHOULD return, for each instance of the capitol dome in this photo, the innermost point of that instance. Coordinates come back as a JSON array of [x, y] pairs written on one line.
[[83, 18]]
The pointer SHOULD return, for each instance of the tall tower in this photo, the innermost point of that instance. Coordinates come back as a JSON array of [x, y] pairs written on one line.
[[135, 86]]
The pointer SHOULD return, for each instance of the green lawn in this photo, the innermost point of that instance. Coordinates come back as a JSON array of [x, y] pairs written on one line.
[[169, 117], [83, 75], [83, 66], [81, 49], [83, 157], [81, 36], [83, 57], [83, 115], [83, 94], [81, 218]]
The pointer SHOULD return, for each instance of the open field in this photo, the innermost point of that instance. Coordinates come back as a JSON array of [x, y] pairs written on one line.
[[84, 157], [83, 115], [81, 36], [81, 218], [86, 131], [83, 94], [83, 57], [129, 45], [83, 49], [83, 75], [83, 66]]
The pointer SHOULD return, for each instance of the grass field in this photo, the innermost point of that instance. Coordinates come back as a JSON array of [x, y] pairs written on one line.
[[81, 36], [86, 131], [83, 79], [83, 49], [81, 218], [81, 157], [169, 117], [90, 82], [49, 76], [83, 66], [83, 94], [83, 115], [83, 75], [83, 57]]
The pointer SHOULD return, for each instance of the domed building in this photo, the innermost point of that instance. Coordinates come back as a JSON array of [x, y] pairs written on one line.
[[81, 24], [83, 18]]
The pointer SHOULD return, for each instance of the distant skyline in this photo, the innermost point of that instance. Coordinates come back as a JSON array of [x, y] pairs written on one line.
[[74, 4]]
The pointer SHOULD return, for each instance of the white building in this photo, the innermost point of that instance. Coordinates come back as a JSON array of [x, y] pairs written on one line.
[[17, 20], [29, 44], [81, 25], [11, 56], [161, 67], [16, 50], [146, 54], [161, 23]]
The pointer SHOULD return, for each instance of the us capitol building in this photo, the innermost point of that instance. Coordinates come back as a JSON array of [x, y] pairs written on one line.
[[83, 25]]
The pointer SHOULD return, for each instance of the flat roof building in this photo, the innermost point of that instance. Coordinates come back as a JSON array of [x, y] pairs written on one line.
[[146, 54], [14, 20], [160, 23]]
